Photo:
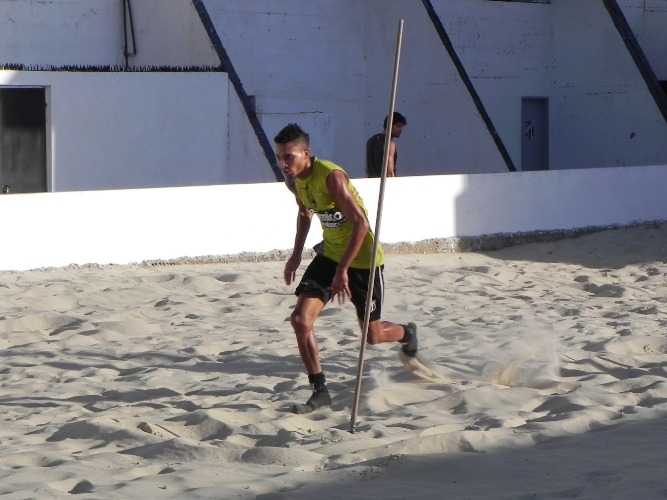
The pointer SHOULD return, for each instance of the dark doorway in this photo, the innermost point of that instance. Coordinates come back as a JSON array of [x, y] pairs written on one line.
[[23, 140], [534, 134]]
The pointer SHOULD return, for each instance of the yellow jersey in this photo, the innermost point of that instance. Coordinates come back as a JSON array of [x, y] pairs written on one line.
[[313, 193]]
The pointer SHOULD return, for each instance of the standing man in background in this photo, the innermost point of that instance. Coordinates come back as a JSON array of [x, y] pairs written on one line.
[[375, 148]]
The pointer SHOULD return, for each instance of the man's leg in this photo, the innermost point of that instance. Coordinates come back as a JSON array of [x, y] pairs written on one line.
[[308, 307], [380, 331], [384, 331]]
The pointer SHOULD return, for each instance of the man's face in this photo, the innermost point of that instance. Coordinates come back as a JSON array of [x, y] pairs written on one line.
[[292, 158], [397, 129]]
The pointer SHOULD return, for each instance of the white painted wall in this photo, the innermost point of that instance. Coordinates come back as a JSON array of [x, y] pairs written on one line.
[[303, 61], [90, 33], [132, 130], [445, 133], [61, 33], [603, 113], [170, 33], [209, 139], [648, 20], [135, 225], [569, 52], [247, 162], [328, 65], [506, 49]]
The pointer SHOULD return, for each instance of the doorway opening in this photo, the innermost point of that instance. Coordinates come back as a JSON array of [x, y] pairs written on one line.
[[23, 140]]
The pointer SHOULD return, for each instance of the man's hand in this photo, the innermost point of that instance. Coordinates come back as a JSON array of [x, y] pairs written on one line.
[[340, 286], [291, 267]]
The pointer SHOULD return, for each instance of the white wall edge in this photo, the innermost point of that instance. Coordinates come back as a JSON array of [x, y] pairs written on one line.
[[132, 226]]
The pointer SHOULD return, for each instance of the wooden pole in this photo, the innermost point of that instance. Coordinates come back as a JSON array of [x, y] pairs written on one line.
[[383, 178]]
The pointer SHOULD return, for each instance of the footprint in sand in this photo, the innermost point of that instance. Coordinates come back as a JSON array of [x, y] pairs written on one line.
[[158, 278], [202, 284], [608, 291], [229, 278], [53, 324], [645, 310]]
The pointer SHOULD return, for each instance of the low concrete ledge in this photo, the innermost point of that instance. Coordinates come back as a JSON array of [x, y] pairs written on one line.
[[256, 222]]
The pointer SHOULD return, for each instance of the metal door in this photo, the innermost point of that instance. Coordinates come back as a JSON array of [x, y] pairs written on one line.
[[534, 134]]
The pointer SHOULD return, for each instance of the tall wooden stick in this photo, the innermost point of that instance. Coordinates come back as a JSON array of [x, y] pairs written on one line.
[[383, 178]]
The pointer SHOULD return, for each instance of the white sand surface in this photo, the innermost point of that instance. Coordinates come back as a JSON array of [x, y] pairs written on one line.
[[549, 366]]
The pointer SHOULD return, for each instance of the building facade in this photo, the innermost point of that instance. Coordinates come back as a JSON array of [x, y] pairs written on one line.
[[118, 94]]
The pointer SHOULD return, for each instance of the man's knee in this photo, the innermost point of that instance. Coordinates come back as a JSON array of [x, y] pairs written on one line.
[[302, 323]]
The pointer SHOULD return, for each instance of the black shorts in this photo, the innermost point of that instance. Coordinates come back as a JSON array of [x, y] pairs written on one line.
[[320, 274]]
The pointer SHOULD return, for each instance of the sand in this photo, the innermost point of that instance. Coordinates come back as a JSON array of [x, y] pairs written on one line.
[[547, 379]]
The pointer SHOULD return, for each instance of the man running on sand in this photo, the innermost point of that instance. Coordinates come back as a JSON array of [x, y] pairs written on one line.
[[341, 267]]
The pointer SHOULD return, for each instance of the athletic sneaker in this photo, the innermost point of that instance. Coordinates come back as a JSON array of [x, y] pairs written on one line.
[[409, 345], [319, 399]]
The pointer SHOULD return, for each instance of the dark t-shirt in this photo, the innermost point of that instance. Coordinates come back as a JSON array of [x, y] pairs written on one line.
[[375, 155]]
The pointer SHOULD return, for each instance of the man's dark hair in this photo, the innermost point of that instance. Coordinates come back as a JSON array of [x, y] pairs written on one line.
[[396, 118], [292, 132]]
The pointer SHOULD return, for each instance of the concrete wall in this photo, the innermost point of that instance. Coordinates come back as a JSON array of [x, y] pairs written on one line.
[[648, 20], [59, 33], [445, 133], [327, 65], [569, 52], [132, 130], [136, 225], [603, 113], [52, 33], [506, 49], [170, 33], [90, 33], [304, 62], [247, 162]]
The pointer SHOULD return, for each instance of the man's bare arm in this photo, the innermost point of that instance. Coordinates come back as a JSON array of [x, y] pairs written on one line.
[[391, 164], [303, 221], [338, 186]]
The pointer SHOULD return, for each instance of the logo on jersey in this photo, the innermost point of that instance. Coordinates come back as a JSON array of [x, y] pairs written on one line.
[[331, 218]]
